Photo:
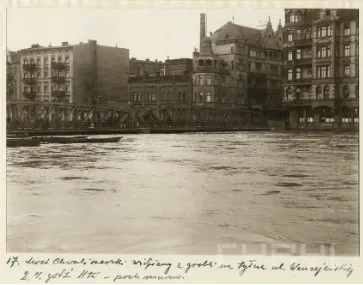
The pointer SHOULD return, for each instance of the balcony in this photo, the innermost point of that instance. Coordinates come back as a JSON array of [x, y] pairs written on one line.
[[29, 94], [302, 42], [301, 81], [58, 79], [30, 66], [29, 81], [209, 69], [304, 61], [59, 93], [58, 65]]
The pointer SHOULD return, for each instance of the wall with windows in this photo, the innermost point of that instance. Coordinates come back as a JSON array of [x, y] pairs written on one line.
[[43, 72]]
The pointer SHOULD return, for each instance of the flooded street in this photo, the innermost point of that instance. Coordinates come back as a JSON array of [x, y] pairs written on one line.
[[185, 193]]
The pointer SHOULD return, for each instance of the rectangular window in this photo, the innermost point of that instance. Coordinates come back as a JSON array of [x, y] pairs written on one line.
[[323, 71], [346, 70], [46, 74], [201, 81], [258, 67], [323, 51], [232, 65], [274, 70], [209, 80], [67, 74], [347, 50], [289, 55], [209, 97], [232, 50], [298, 73], [38, 88], [153, 97], [289, 35], [324, 31], [38, 74], [67, 88], [45, 60], [38, 61], [45, 88], [67, 59], [298, 54], [347, 29], [289, 74], [298, 35], [252, 53]]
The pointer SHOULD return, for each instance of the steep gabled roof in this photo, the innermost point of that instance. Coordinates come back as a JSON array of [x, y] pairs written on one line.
[[231, 30]]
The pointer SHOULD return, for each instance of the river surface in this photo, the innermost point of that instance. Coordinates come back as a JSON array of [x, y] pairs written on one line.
[[186, 194]]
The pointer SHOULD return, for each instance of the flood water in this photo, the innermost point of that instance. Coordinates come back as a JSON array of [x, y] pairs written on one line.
[[185, 193]]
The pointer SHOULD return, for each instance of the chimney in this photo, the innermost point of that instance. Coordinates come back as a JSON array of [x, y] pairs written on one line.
[[202, 27], [64, 43]]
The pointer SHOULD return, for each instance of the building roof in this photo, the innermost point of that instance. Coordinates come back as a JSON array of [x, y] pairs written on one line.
[[246, 34], [231, 30]]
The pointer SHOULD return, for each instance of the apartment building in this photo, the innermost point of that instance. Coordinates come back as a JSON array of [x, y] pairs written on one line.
[[85, 73], [321, 63], [13, 79]]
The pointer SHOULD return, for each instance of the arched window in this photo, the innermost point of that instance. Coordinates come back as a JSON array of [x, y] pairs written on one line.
[[346, 91], [288, 93], [291, 17], [201, 62], [318, 92], [308, 34], [357, 91], [326, 92]]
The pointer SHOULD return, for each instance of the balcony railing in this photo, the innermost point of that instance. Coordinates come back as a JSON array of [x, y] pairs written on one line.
[[298, 81], [29, 80], [304, 61], [58, 65], [58, 93], [30, 66], [58, 79], [302, 42], [29, 93], [207, 69]]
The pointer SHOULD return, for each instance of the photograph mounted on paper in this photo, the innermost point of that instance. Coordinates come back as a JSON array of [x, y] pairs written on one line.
[[135, 131]]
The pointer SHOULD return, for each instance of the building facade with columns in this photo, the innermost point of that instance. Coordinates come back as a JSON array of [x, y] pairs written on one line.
[[321, 67]]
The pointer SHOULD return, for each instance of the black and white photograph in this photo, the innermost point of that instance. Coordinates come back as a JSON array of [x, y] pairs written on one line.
[[182, 131]]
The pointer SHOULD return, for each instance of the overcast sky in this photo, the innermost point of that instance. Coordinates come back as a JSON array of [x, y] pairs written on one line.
[[152, 33]]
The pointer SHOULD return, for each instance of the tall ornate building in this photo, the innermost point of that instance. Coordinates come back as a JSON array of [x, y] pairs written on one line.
[[321, 60], [239, 66]]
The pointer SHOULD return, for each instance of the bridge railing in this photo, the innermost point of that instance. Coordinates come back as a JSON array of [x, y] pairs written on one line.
[[23, 126]]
